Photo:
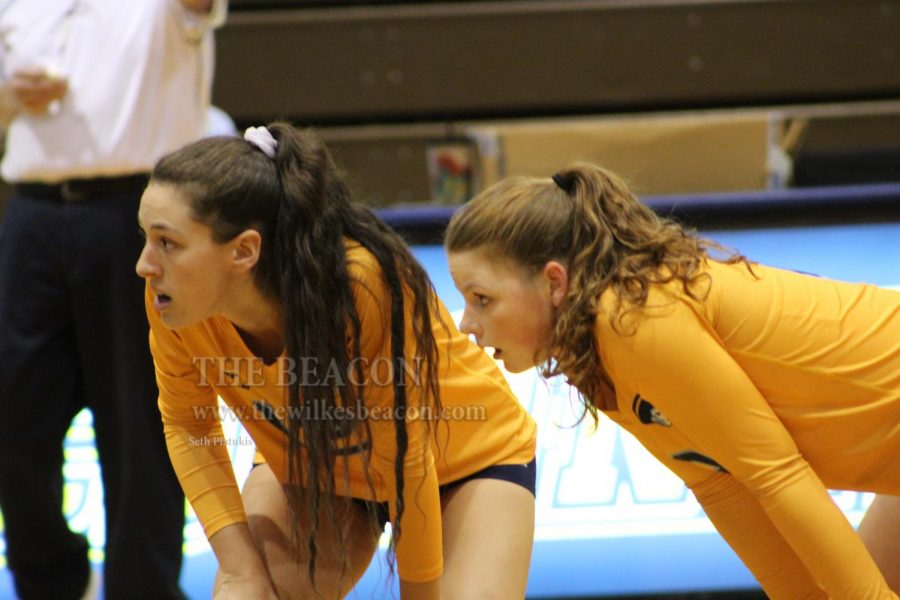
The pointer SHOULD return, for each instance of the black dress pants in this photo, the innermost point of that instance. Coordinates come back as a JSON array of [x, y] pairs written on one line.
[[73, 334]]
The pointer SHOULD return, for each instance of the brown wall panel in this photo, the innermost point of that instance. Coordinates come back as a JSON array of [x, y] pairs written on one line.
[[476, 59]]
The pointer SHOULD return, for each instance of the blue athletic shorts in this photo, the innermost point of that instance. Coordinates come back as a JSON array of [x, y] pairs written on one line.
[[524, 475]]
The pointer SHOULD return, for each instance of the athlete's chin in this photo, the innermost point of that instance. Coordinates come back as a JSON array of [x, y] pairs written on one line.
[[515, 367], [173, 320]]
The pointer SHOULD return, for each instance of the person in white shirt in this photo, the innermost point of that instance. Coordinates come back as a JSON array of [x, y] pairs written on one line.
[[93, 92]]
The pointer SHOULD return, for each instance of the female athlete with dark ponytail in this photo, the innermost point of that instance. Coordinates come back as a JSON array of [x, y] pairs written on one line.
[[313, 322]]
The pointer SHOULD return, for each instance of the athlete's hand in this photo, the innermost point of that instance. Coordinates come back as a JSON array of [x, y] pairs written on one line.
[[34, 89], [242, 571], [238, 587]]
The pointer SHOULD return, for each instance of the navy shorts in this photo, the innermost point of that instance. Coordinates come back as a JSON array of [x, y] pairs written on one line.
[[524, 475]]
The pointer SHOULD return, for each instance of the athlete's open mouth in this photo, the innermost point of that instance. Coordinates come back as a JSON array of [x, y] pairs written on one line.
[[162, 301]]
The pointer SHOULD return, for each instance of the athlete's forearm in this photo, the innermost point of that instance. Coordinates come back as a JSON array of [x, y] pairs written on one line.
[[740, 519]]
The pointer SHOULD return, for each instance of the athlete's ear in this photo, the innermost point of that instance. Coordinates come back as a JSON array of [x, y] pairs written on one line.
[[557, 276], [245, 249]]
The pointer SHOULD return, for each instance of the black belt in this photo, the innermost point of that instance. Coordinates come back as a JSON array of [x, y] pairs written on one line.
[[79, 190]]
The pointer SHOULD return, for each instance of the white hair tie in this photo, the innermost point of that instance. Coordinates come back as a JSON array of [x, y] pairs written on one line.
[[262, 139]]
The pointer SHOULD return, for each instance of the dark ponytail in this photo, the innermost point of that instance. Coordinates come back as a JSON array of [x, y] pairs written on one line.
[[300, 205]]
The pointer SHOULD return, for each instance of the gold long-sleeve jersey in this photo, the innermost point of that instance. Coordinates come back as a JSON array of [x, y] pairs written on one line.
[[482, 423], [769, 388]]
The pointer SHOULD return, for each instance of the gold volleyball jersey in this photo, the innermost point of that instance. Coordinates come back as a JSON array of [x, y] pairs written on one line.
[[761, 395], [484, 424]]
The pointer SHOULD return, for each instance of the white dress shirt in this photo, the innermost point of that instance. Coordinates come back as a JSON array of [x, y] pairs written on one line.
[[139, 82]]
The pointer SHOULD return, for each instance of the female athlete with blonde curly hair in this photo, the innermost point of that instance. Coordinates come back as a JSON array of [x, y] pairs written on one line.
[[759, 387]]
